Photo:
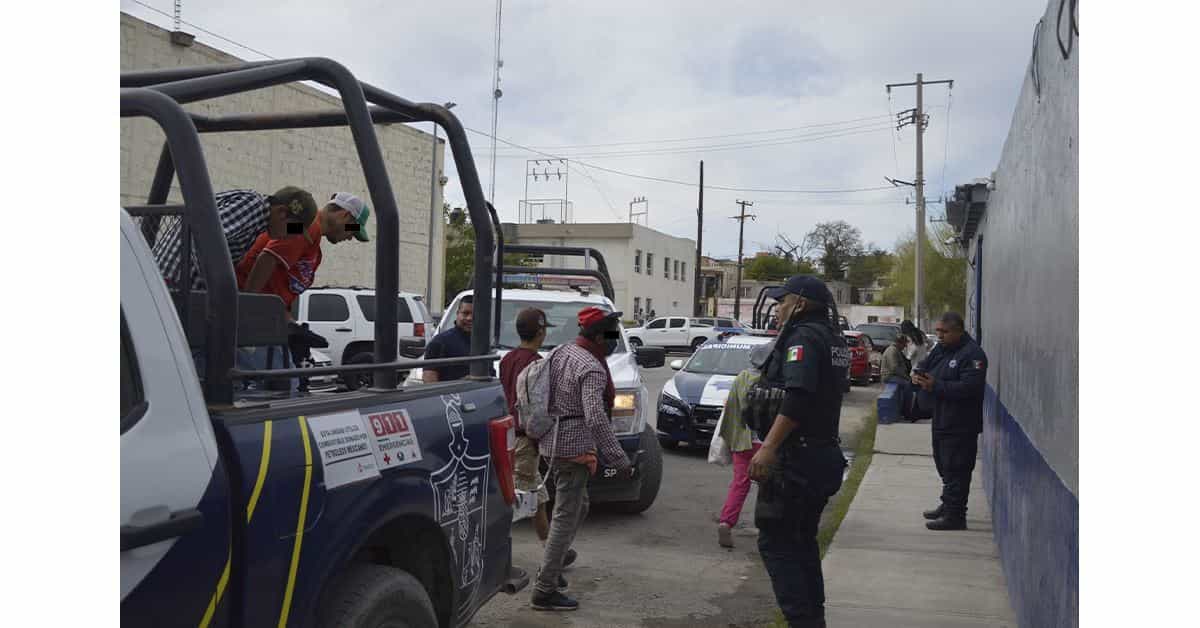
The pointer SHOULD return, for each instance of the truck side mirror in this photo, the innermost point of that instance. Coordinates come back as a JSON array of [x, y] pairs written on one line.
[[676, 364]]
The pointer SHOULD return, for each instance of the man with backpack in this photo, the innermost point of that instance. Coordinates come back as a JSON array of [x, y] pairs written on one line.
[[579, 398]]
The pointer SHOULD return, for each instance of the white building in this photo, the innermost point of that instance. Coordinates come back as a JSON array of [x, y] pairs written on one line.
[[650, 270], [322, 161]]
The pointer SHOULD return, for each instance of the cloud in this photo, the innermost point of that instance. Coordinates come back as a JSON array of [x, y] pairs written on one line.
[[600, 73]]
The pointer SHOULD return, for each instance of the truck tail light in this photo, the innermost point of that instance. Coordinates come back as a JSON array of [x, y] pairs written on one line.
[[504, 442], [419, 329]]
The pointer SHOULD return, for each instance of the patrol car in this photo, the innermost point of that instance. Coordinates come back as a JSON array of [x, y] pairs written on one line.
[[692, 400]]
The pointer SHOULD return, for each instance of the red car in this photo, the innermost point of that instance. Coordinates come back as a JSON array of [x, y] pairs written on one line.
[[860, 362]]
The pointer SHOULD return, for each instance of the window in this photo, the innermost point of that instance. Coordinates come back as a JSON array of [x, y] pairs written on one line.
[[705, 321], [649, 305], [637, 304], [726, 322], [676, 266], [683, 271], [133, 398], [666, 268], [677, 323], [367, 303], [872, 319], [657, 324], [868, 297], [328, 308], [649, 270], [637, 261]]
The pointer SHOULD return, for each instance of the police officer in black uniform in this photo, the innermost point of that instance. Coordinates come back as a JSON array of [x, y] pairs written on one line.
[[951, 379], [795, 408]]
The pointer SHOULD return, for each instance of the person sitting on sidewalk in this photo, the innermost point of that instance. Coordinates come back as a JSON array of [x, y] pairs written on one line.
[[531, 329], [743, 442], [582, 398]]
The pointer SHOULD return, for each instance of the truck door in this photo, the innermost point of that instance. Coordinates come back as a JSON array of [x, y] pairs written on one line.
[[175, 514], [328, 314], [677, 333], [656, 333]]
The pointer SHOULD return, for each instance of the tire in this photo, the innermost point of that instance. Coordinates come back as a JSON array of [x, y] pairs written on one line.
[[370, 596], [355, 381], [651, 472], [697, 342], [635, 342], [668, 443]]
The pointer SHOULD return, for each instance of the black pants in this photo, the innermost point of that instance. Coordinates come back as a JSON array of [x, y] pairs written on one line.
[[954, 455], [787, 516]]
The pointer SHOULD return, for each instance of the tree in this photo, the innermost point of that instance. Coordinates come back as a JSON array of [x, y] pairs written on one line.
[[776, 268], [460, 253], [836, 243], [875, 263], [945, 275]]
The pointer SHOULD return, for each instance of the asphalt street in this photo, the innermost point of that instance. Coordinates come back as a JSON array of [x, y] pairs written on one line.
[[662, 567]]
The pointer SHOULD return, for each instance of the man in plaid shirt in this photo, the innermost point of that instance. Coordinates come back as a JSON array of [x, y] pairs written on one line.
[[244, 214], [582, 395]]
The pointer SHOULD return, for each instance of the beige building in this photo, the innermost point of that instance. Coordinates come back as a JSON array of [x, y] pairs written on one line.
[[650, 270], [323, 161]]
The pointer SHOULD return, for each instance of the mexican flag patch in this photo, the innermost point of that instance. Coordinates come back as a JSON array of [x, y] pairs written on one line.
[[795, 354]]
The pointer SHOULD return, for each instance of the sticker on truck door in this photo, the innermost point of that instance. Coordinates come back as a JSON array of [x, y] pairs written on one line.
[[396, 441], [345, 448]]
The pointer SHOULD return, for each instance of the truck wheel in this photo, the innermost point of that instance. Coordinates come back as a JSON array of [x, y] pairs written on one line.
[[651, 473], [697, 342], [354, 381], [668, 442], [373, 596], [635, 342]]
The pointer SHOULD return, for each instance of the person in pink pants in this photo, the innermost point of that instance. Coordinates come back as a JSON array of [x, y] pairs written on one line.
[[743, 443]]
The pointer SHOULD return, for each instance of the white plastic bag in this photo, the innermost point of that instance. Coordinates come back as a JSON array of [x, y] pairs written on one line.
[[718, 449]]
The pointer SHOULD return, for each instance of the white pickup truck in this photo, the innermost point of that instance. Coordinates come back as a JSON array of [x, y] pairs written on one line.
[[671, 332]]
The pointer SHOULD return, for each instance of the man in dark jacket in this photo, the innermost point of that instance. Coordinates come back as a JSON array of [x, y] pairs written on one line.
[[953, 375]]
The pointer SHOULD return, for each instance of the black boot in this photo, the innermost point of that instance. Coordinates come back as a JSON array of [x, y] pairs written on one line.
[[936, 513], [552, 602], [947, 522]]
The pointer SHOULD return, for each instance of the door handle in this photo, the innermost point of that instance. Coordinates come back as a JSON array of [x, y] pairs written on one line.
[[342, 329], [180, 523]]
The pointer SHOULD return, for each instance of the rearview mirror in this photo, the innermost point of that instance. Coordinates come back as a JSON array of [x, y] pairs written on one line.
[[676, 364]]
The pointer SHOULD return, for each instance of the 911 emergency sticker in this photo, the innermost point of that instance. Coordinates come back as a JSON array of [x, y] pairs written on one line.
[[345, 448], [396, 441], [795, 354]]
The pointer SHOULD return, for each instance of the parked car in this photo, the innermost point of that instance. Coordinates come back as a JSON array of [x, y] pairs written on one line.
[[346, 318], [673, 332], [632, 408], [881, 334], [691, 402], [860, 361], [723, 325]]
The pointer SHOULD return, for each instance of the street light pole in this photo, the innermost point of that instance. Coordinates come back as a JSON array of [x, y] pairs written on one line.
[[434, 213]]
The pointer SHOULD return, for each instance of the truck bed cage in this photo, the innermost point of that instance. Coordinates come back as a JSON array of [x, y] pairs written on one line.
[[160, 94]]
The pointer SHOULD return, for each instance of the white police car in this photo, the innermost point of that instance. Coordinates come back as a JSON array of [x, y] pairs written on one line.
[[691, 402]]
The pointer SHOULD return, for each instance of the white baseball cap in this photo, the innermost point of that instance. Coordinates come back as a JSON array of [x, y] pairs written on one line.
[[357, 208]]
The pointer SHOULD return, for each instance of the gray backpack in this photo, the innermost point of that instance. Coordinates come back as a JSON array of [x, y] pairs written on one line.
[[535, 391]]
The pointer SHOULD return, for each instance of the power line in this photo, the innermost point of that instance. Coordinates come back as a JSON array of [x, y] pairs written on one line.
[[203, 30], [946, 148], [685, 183], [891, 116]]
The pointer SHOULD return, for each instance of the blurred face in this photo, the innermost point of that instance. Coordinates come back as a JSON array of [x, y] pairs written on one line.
[[465, 315], [902, 342], [789, 304], [948, 333], [277, 222], [334, 221]]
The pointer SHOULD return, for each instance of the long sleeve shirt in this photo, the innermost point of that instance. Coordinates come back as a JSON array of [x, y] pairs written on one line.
[[733, 424], [893, 364], [578, 384]]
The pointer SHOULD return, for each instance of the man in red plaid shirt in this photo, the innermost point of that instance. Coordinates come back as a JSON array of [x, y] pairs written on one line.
[[582, 395]]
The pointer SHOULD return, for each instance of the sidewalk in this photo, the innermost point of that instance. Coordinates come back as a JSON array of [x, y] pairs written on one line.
[[885, 569]]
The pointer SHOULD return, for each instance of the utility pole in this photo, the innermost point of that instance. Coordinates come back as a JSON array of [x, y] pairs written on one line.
[[921, 121], [639, 200], [697, 291], [741, 218]]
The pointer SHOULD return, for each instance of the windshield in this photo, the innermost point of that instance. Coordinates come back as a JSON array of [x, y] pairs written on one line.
[[880, 334], [561, 314], [720, 359]]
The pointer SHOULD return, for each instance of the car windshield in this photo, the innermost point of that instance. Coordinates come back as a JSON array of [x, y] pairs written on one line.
[[559, 313], [880, 334], [720, 359]]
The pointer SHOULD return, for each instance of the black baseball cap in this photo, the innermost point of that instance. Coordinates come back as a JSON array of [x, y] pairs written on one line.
[[807, 286], [530, 321]]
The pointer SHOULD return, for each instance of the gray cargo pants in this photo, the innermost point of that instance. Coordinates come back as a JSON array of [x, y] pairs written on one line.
[[570, 509]]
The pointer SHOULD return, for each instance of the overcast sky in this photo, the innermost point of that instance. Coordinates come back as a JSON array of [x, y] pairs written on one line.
[[804, 81]]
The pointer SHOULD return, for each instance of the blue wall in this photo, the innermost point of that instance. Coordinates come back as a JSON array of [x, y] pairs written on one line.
[[1035, 519]]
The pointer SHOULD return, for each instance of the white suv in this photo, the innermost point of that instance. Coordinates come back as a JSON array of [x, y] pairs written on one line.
[[671, 331], [346, 318]]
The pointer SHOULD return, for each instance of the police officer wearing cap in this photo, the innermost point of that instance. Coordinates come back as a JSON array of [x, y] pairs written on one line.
[[795, 408]]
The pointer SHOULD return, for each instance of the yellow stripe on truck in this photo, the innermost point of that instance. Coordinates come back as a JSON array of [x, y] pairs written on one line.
[[291, 582], [263, 463]]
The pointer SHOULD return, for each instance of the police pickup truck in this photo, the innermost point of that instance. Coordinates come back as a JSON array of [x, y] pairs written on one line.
[[378, 507]]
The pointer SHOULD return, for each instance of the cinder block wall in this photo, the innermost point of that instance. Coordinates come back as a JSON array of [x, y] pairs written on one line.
[[322, 161], [1025, 269]]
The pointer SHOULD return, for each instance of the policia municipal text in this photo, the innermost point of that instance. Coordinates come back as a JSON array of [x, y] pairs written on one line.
[[795, 408]]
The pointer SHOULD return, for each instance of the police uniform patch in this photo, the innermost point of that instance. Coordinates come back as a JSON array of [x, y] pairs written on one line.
[[795, 354], [953, 363], [979, 364]]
